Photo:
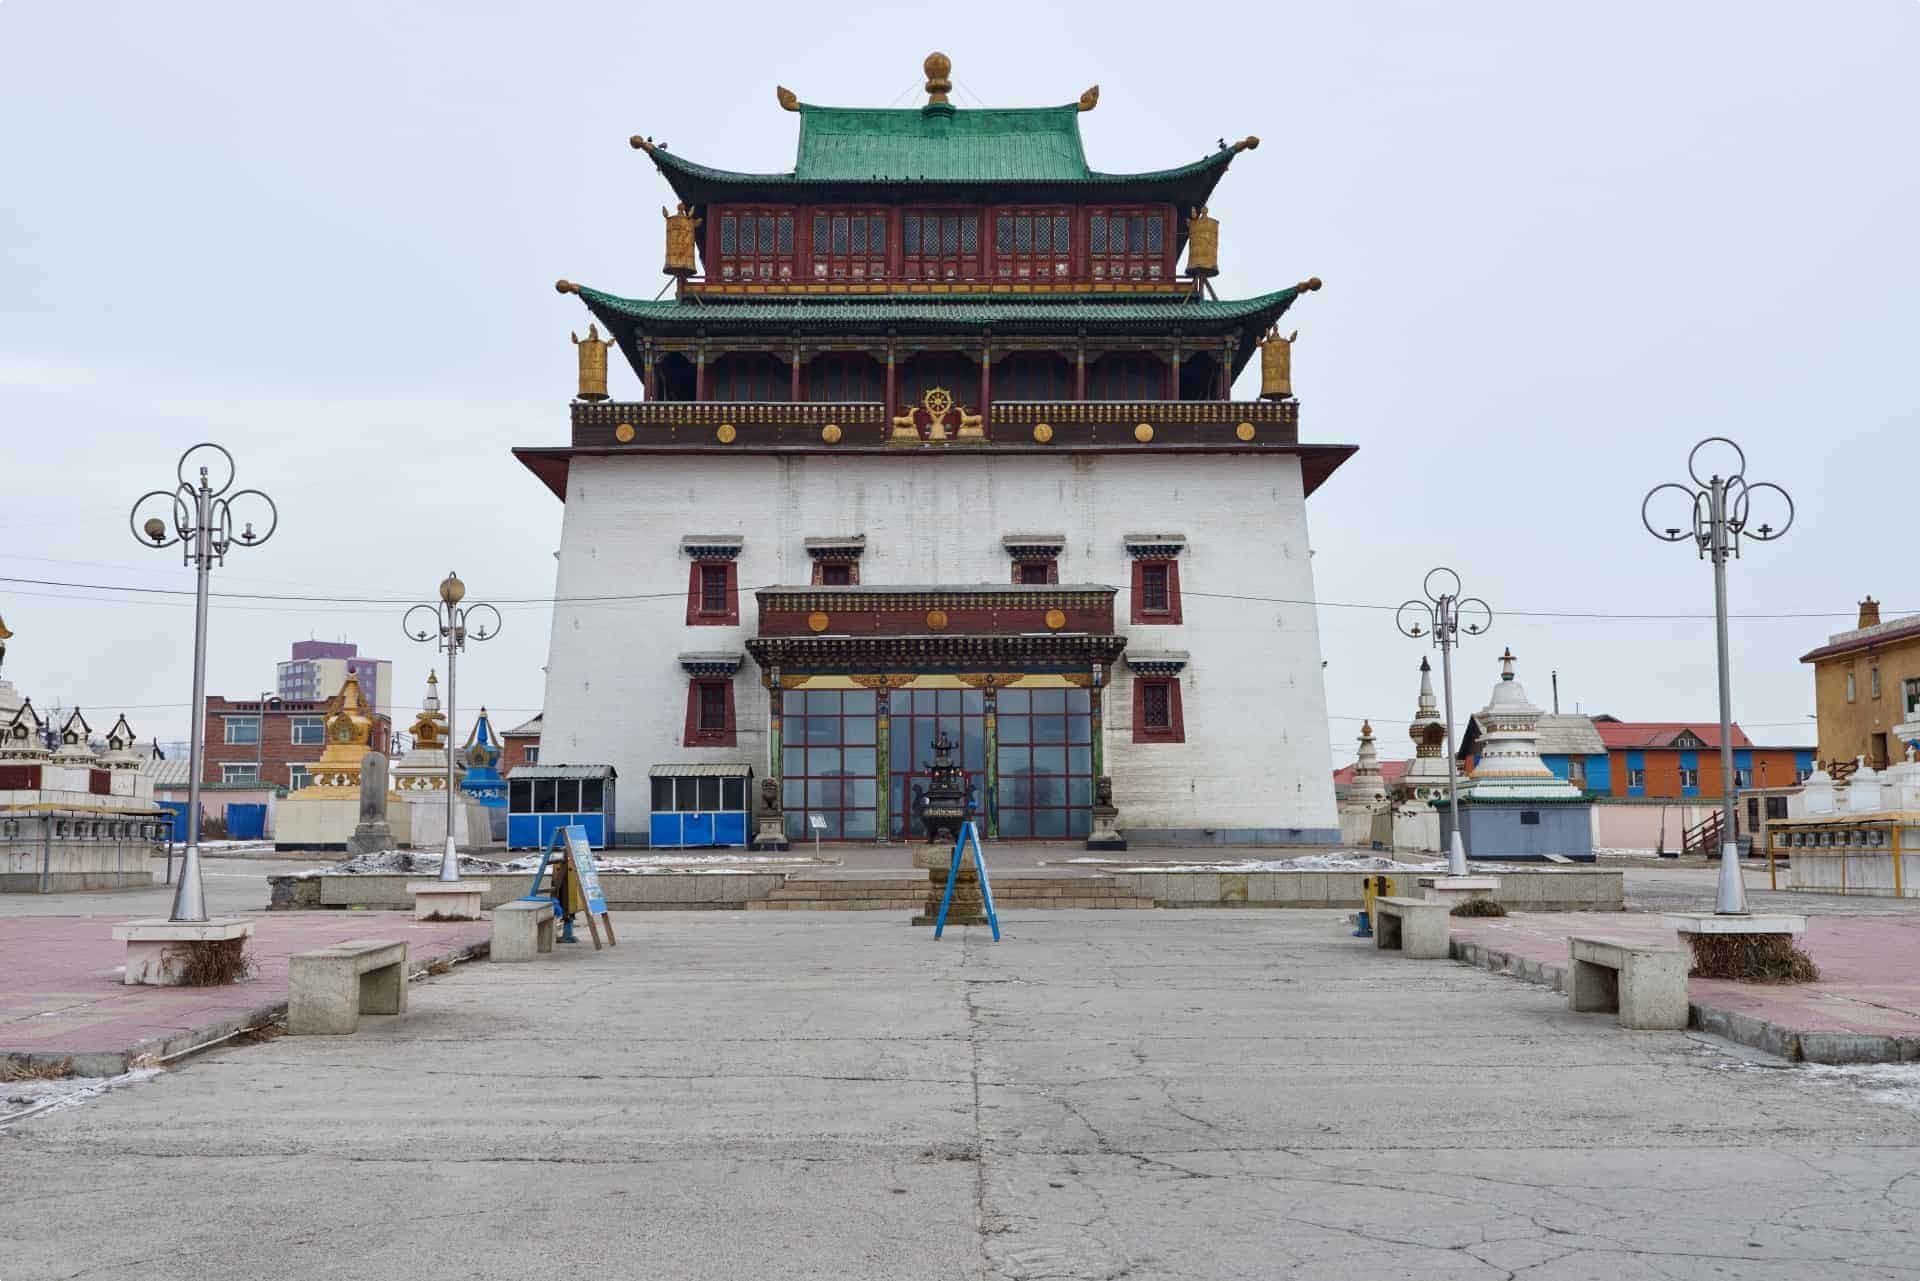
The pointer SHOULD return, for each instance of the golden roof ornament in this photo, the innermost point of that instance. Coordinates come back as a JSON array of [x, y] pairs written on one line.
[[939, 69], [593, 363], [682, 227], [1090, 99], [789, 100], [5, 635], [1203, 244]]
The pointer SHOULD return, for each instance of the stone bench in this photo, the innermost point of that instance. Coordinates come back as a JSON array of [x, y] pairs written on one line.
[[1416, 926], [1645, 983], [522, 929], [328, 990]]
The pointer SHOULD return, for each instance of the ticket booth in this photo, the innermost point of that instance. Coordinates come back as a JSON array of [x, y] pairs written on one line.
[[541, 799], [699, 806]]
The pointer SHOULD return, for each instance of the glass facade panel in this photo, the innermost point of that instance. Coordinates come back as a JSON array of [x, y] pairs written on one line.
[[1046, 764], [834, 775]]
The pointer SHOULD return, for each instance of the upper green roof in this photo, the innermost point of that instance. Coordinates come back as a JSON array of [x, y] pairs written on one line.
[[1026, 144], [861, 149]]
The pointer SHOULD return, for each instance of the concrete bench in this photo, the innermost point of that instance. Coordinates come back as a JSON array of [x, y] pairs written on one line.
[[522, 929], [1416, 926], [1645, 983], [328, 990]]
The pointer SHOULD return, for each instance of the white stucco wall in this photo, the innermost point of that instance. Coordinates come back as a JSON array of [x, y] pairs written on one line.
[[1252, 694]]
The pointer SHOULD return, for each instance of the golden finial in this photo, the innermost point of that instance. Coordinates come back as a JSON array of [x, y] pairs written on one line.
[[1090, 99], [1308, 285], [938, 67], [1247, 143], [789, 100], [1366, 729], [566, 287], [639, 143]]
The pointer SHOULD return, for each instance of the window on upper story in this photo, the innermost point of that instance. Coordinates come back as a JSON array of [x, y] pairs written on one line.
[[1127, 243], [940, 244], [1910, 694], [1036, 572], [1742, 777], [849, 244], [308, 731], [1873, 682], [1127, 376], [1637, 779], [533, 755], [240, 772], [710, 720], [1689, 778], [713, 705], [1156, 710], [751, 375], [1850, 687], [242, 729], [845, 376], [753, 244], [298, 776], [713, 597], [1156, 591], [837, 574], [1032, 375], [1802, 773], [1033, 244]]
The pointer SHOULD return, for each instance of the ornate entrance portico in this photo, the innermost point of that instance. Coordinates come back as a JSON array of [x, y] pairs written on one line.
[[861, 679]]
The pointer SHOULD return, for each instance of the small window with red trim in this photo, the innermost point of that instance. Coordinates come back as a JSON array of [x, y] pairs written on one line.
[[713, 595], [837, 574], [1156, 710], [710, 719], [1156, 591], [1036, 572]]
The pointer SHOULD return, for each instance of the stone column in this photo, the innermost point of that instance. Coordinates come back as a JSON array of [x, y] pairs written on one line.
[[883, 744]]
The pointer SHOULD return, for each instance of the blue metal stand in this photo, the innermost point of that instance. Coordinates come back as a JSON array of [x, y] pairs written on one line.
[[533, 893], [968, 832]]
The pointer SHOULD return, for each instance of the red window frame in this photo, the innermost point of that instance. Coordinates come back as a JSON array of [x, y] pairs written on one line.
[[1141, 613], [1141, 249], [700, 690], [954, 256], [1128, 376], [832, 235], [1018, 234], [752, 242], [1034, 572], [1148, 689], [698, 614], [750, 376], [836, 573]]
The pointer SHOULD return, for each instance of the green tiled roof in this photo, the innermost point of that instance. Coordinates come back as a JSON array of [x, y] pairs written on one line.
[[1030, 144], [1021, 313], [1028, 148]]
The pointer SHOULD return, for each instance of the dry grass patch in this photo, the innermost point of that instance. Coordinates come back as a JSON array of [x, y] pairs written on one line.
[[211, 963], [1478, 907], [1751, 958], [22, 1070]]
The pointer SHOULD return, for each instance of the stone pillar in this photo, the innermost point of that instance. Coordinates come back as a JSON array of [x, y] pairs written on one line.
[[989, 817], [883, 750]]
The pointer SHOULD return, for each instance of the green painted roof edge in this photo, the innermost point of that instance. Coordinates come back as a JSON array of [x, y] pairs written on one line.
[[817, 309]]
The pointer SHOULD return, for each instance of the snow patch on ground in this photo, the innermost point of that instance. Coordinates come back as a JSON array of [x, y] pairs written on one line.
[[422, 863], [1897, 1084], [22, 1099]]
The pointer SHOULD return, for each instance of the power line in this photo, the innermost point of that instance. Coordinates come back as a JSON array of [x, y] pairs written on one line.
[[680, 594]]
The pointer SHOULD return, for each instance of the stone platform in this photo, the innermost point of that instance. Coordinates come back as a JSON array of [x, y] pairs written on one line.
[[63, 996], [1865, 1009]]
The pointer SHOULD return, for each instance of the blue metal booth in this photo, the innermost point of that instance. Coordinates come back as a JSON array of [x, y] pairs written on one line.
[[699, 805], [541, 799]]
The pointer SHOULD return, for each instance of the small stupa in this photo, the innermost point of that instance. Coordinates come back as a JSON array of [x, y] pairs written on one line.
[[324, 814], [1366, 794], [481, 758], [1512, 806], [1426, 776], [424, 767]]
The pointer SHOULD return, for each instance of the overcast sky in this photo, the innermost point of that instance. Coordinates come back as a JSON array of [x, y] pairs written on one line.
[[1560, 244]]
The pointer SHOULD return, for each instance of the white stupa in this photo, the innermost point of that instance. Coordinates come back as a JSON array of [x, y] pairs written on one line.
[[1510, 768]]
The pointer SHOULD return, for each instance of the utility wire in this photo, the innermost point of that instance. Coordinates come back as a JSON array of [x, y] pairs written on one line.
[[680, 594]]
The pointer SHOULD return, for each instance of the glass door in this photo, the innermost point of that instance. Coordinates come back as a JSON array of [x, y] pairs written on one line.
[[919, 714], [829, 764], [1046, 763]]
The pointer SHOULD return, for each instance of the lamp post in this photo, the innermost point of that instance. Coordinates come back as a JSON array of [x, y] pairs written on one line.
[[445, 624], [1721, 507], [1439, 616], [200, 519]]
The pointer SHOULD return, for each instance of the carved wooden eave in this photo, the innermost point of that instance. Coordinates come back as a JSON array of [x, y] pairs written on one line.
[[936, 654]]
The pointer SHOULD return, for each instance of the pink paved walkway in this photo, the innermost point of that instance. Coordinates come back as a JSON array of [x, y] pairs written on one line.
[[1869, 967], [61, 994]]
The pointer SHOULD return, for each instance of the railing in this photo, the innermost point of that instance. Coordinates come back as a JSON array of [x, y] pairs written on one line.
[[1030, 423]]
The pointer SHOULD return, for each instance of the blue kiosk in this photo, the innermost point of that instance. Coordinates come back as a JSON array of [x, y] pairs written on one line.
[[542, 799], [699, 806]]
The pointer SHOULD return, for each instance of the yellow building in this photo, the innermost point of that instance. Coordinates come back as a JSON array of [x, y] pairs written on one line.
[[1866, 685]]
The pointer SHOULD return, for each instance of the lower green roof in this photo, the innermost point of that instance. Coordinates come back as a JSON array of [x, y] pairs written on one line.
[[1055, 313]]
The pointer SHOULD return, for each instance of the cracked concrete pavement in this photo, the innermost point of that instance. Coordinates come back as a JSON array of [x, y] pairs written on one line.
[[1102, 1095]]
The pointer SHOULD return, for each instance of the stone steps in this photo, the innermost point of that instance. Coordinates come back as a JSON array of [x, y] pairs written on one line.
[[910, 893]]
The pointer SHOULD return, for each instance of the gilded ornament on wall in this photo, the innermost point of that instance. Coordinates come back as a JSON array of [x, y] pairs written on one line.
[[682, 229]]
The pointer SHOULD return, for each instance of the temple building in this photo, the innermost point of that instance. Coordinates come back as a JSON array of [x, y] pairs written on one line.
[[936, 431]]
